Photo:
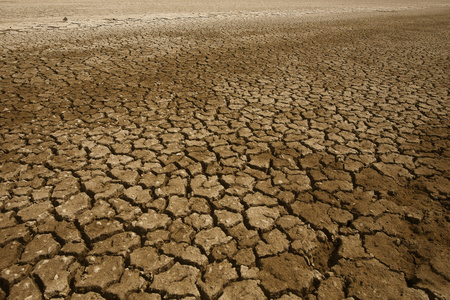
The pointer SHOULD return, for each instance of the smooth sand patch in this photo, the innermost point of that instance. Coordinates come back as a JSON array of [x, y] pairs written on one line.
[[23, 15]]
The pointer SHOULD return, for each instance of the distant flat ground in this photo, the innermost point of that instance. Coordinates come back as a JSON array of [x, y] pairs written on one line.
[[16, 13]]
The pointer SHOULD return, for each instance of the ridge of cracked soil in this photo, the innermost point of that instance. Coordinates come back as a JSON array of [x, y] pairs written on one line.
[[281, 160]]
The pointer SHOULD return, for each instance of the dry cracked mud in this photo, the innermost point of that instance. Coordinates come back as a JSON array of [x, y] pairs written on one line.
[[275, 158]]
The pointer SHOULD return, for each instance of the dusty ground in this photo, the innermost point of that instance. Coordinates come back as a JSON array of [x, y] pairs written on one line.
[[230, 156], [49, 14]]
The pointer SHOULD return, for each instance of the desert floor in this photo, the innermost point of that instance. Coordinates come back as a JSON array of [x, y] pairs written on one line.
[[269, 150]]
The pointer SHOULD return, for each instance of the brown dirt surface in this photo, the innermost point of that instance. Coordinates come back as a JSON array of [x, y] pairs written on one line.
[[291, 152]]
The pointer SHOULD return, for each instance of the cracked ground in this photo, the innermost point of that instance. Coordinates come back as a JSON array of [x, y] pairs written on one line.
[[252, 159]]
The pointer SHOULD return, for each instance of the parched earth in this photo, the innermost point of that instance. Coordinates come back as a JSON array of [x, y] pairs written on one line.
[[252, 159]]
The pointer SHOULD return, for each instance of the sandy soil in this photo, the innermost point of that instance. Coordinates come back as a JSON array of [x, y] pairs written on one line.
[[225, 152], [23, 14]]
